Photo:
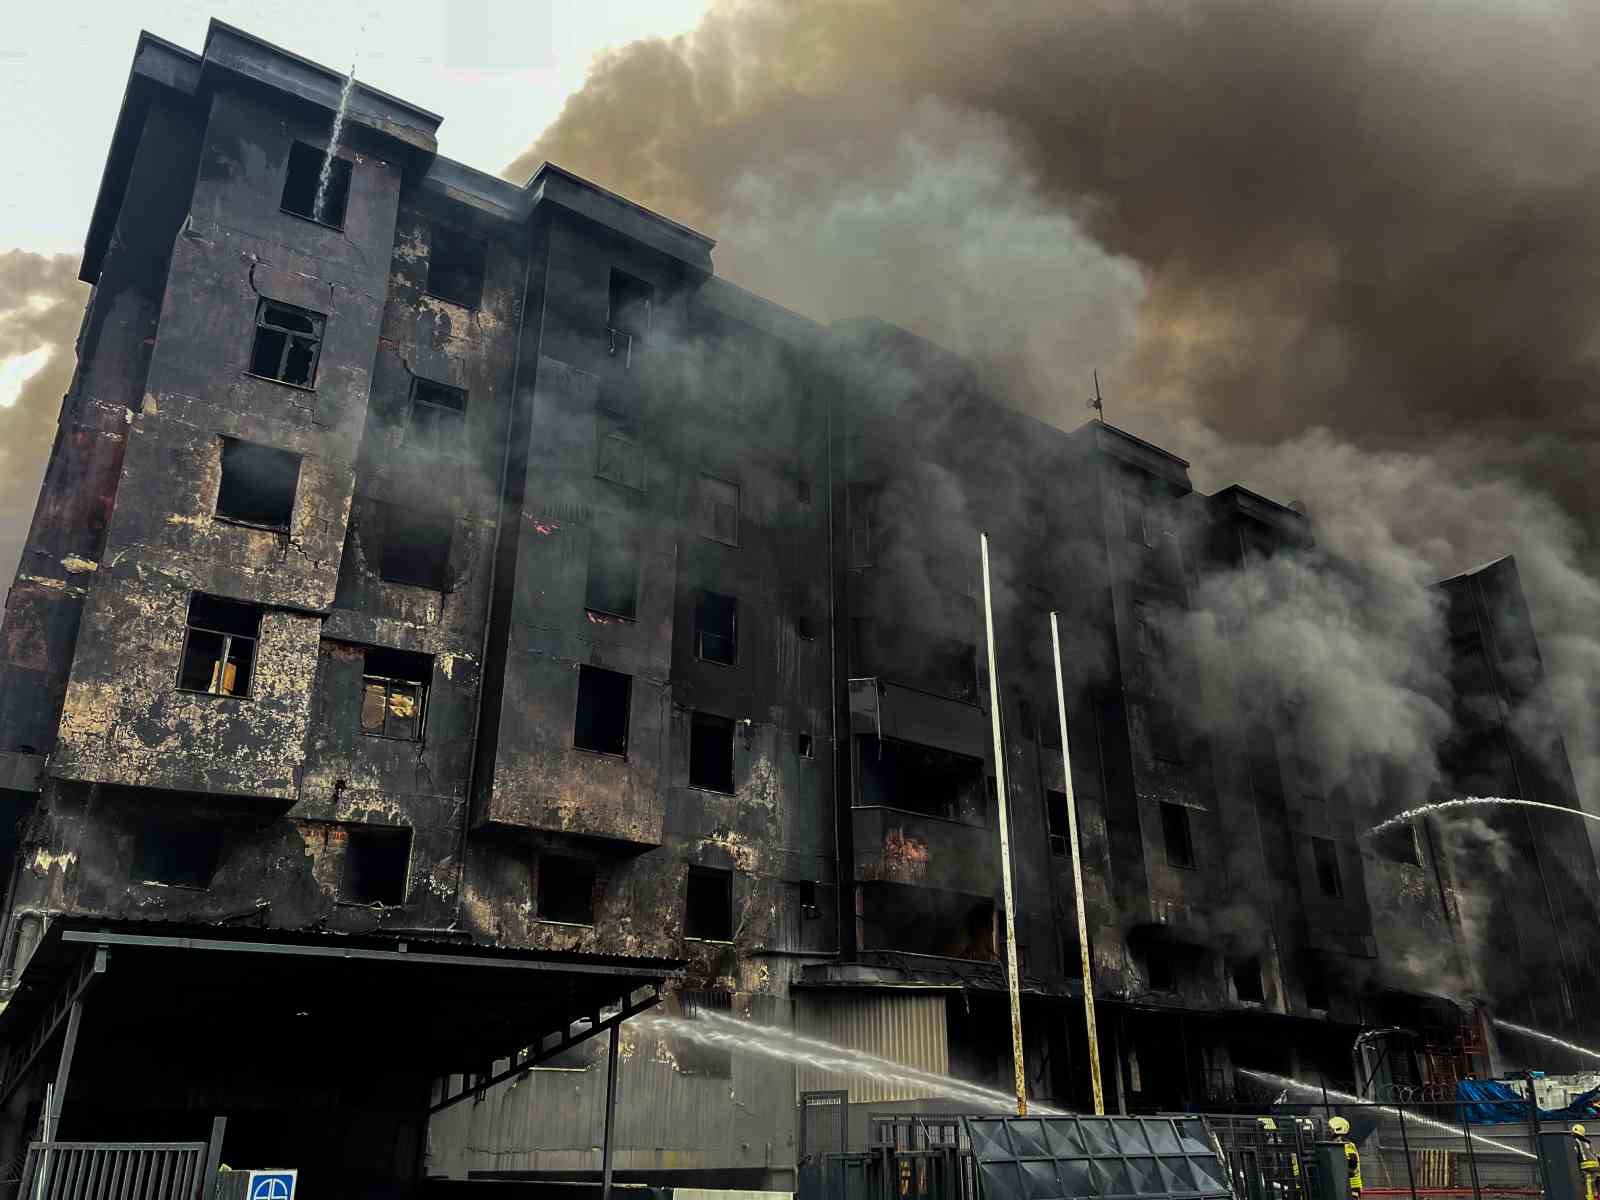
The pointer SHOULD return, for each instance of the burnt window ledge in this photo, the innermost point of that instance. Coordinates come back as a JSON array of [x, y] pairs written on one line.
[[259, 526], [471, 308], [180, 887], [689, 937], [369, 905], [601, 753], [565, 925], [711, 791], [214, 695], [289, 212], [611, 616], [299, 387]]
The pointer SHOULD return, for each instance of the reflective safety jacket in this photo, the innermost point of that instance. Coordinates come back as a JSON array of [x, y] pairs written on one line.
[[1352, 1159]]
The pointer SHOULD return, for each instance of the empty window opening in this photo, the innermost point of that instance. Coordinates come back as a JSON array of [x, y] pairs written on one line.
[[566, 890], [696, 1058], [258, 484], [1266, 776], [716, 628], [619, 454], [288, 342], [805, 629], [455, 267], [303, 182], [806, 746], [1399, 844], [438, 418], [1159, 969], [220, 652], [708, 905], [719, 510], [711, 752], [416, 546], [628, 314], [1055, 806], [394, 693], [176, 856], [1247, 980], [601, 724], [377, 864], [1134, 527], [802, 490], [1176, 834], [1326, 854], [1027, 719], [1166, 743], [923, 779], [613, 586], [807, 894], [1316, 984]]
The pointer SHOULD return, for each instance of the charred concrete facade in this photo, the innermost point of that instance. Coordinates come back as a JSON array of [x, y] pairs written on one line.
[[453, 599]]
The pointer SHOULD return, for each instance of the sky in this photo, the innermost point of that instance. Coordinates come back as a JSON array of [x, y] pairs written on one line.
[[496, 71]]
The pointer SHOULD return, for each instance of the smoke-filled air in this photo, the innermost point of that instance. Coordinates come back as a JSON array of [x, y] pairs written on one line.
[[1338, 251]]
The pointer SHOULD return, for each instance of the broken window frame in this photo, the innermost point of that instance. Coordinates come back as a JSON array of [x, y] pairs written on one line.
[[543, 907], [205, 845], [1248, 968], [339, 178], [705, 602], [1135, 521], [1325, 860], [702, 781], [235, 447], [621, 310], [708, 877], [619, 452], [589, 672], [1057, 820], [806, 745], [1402, 844], [293, 338], [425, 435], [1177, 836], [718, 520], [230, 638], [390, 683], [444, 241], [374, 835]]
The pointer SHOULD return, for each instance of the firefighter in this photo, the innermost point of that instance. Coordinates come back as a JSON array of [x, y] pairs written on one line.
[[1339, 1129], [1586, 1160]]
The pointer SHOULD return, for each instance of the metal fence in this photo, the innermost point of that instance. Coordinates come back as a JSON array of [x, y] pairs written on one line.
[[1411, 1147], [122, 1170]]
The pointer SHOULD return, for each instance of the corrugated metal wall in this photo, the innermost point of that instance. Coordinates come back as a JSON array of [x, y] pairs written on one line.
[[909, 1029]]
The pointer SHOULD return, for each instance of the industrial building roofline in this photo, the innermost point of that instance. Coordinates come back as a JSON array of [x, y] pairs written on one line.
[[159, 65]]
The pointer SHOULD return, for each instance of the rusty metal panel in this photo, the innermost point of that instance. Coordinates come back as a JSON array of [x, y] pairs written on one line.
[[908, 1029]]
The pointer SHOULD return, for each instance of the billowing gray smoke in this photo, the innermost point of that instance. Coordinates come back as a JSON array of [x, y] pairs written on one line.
[[41, 303]]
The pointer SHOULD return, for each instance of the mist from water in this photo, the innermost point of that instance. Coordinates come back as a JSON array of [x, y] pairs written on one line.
[[325, 176], [783, 1045], [1546, 1037], [1473, 802], [1317, 1089]]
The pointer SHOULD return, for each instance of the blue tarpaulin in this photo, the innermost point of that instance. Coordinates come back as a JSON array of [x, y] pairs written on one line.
[[1488, 1102]]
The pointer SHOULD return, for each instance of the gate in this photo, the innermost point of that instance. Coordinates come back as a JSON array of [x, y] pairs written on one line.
[[824, 1123], [123, 1170]]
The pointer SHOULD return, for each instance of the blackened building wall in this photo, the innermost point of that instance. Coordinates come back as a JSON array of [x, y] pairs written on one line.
[[619, 614]]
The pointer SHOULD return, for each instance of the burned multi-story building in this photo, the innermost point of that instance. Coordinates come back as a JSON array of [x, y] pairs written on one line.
[[454, 620]]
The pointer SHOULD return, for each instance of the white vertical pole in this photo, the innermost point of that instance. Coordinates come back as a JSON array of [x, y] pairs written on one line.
[[1077, 877], [1005, 840]]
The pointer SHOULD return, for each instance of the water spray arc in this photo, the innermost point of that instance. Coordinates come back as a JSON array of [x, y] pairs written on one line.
[[325, 176], [766, 1041], [1346, 1098], [1472, 802], [1547, 1037]]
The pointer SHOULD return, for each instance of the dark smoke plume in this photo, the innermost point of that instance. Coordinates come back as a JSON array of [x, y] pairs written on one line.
[[41, 304]]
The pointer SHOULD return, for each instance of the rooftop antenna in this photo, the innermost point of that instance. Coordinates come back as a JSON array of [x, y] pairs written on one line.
[[1098, 402]]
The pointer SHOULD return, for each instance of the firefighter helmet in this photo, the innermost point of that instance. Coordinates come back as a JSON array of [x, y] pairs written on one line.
[[1579, 1130], [1338, 1126]]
